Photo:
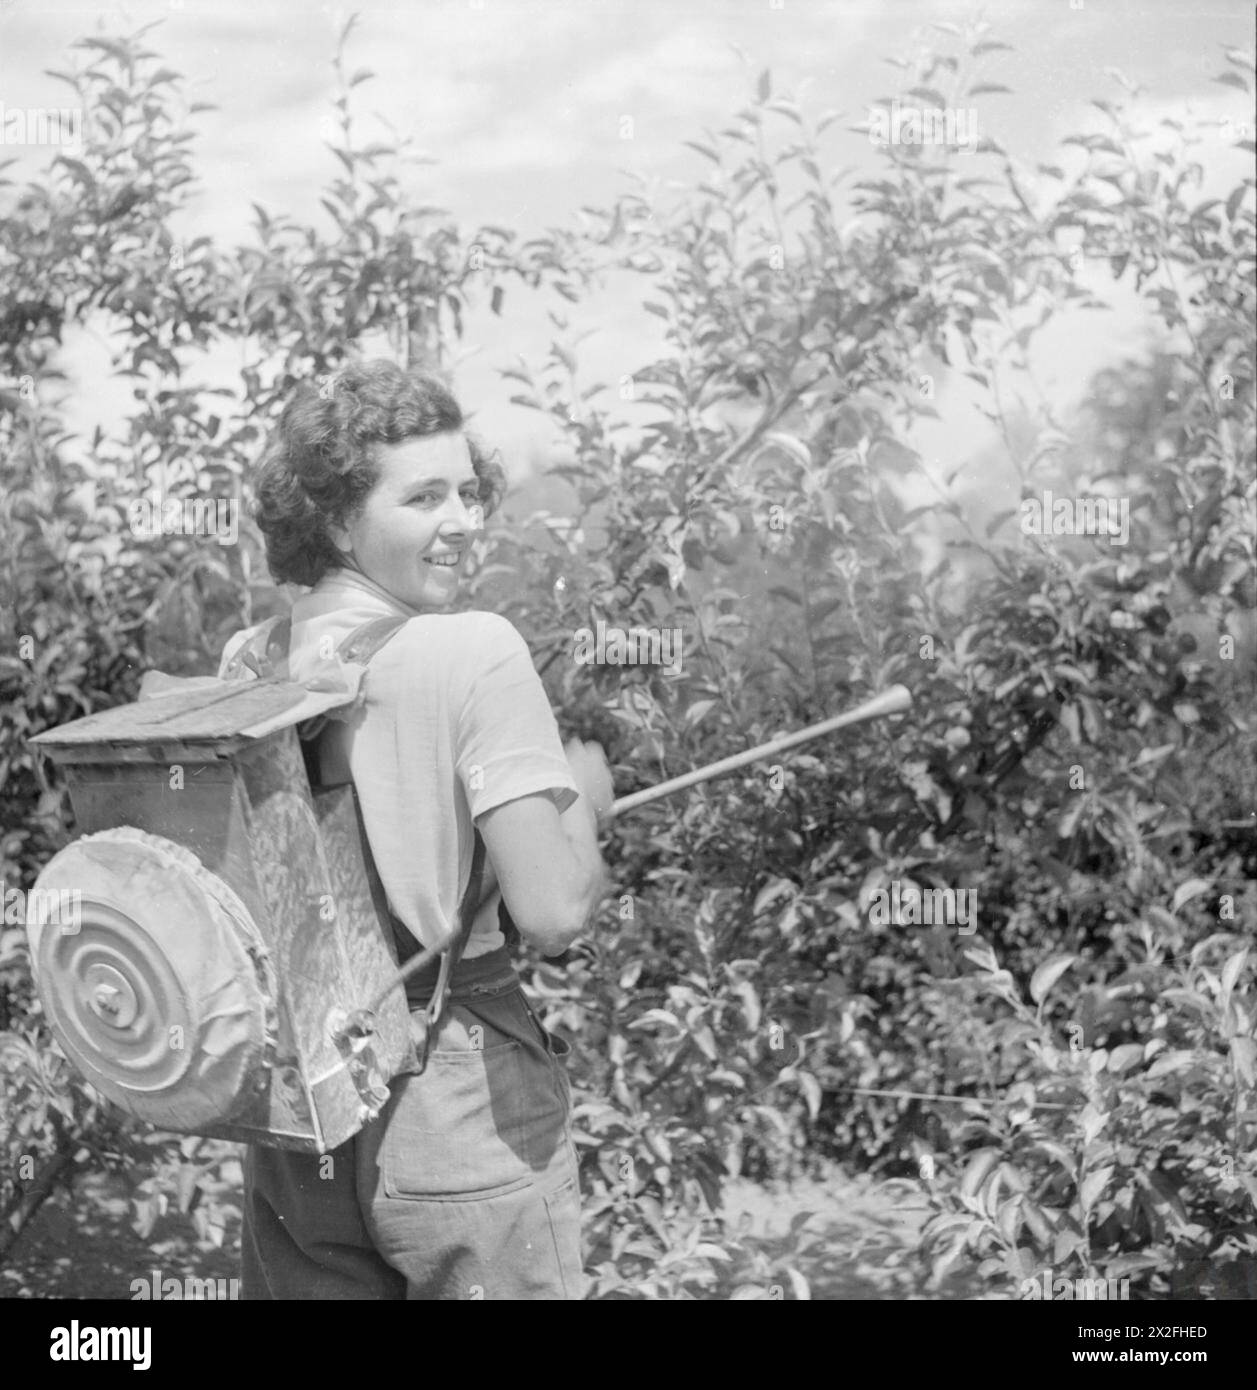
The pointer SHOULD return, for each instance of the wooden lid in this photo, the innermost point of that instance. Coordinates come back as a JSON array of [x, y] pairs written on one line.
[[222, 714]]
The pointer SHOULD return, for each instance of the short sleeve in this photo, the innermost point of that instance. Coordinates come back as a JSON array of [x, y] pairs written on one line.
[[507, 741]]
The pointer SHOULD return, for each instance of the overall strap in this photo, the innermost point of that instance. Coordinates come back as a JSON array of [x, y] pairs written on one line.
[[430, 1019]]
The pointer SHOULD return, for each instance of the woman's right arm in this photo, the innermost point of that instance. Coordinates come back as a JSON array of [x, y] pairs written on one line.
[[548, 866], [517, 776]]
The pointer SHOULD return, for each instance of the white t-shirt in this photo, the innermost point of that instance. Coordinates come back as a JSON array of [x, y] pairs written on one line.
[[455, 721]]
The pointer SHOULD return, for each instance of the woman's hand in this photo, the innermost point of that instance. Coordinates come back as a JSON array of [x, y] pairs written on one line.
[[592, 776]]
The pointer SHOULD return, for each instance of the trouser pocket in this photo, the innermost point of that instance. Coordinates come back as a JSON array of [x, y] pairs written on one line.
[[461, 1128], [488, 1116], [470, 1185]]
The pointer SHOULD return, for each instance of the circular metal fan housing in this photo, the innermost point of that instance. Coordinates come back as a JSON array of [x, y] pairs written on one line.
[[154, 978]]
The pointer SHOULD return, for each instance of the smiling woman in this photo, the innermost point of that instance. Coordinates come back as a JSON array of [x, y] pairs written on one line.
[[325, 460], [465, 1186]]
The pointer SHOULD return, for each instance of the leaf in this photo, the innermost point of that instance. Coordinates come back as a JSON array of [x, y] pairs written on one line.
[[705, 1040], [114, 47], [708, 1250], [1093, 1121], [788, 109], [1068, 822], [983, 957], [943, 1262], [656, 1016], [1232, 79], [976, 1170], [187, 1186], [988, 88], [697, 711], [1126, 1056], [764, 87], [703, 150], [1131, 1264], [1033, 1216], [1093, 1186], [1185, 892], [1153, 755], [80, 170], [802, 1289], [1244, 1055], [811, 1089], [1231, 971], [658, 1145], [792, 445], [1008, 1218], [1071, 721], [1249, 1183], [652, 1213], [751, 1010], [1047, 975], [1164, 1195], [1068, 1240]]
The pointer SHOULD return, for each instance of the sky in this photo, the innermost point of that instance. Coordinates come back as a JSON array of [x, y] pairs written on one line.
[[522, 103]]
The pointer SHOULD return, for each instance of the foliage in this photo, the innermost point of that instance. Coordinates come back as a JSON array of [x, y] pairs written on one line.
[[1132, 1160], [1078, 748], [1070, 695]]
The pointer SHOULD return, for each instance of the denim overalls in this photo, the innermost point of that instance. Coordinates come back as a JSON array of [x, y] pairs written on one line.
[[465, 1187]]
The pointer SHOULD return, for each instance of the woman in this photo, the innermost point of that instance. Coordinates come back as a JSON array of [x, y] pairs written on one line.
[[465, 1186]]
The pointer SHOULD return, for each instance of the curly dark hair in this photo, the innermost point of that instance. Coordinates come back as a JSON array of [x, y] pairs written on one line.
[[319, 468]]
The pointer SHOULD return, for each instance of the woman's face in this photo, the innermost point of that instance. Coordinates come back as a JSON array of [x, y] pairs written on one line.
[[414, 530]]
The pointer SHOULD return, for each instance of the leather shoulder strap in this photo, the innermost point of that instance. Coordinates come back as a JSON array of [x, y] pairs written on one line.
[[364, 641], [263, 653]]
